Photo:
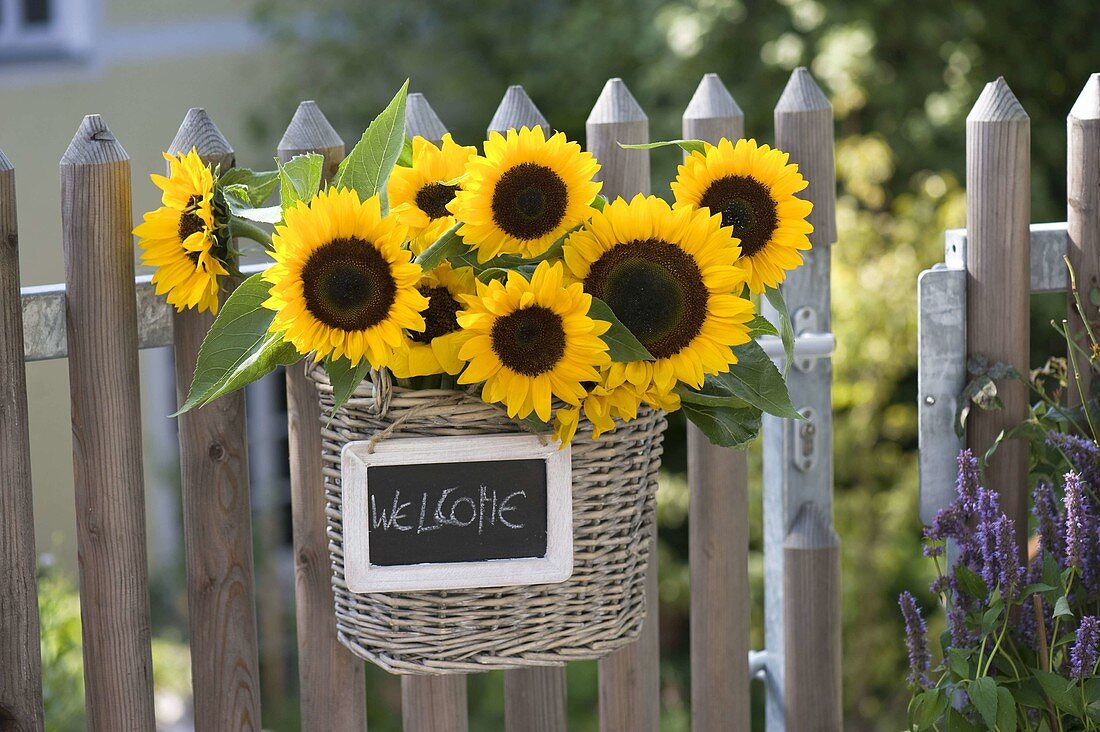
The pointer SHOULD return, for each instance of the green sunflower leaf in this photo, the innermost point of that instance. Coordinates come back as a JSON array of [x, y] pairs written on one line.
[[405, 159], [621, 343], [259, 184], [756, 380], [238, 349], [724, 426], [534, 424], [786, 329], [599, 202], [688, 146], [761, 326], [236, 198], [448, 246], [344, 378], [367, 167], [499, 273], [689, 395], [300, 178]]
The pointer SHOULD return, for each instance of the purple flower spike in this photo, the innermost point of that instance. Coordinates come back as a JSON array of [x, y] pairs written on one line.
[[1083, 455], [1048, 520], [985, 535], [969, 482], [1010, 574], [1083, 655], [916, 640], [1075, 520]]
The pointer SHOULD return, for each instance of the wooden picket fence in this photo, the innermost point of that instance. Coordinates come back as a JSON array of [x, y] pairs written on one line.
[[101, 316], [977, 300]]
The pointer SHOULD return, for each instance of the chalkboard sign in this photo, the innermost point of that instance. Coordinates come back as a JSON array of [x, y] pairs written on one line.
[[434, 513]]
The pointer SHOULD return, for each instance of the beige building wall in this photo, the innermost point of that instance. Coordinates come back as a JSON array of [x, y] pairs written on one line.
[[145, 63]]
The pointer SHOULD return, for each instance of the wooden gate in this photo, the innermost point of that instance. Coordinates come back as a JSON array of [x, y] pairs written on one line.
[[102, 315]]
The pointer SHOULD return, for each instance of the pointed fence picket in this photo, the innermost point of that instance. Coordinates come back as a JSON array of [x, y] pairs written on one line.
[[331, 680], [21, 685], [630, 677], [96, 217], [718, 521], [432, 702], [108, 321], [534, 698], [801, 572], [217, 520]]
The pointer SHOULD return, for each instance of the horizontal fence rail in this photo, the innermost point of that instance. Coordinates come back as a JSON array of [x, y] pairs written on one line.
[[800, 663], [44, 317]]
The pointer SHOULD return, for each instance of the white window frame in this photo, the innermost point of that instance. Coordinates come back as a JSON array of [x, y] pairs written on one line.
[[68, 33]]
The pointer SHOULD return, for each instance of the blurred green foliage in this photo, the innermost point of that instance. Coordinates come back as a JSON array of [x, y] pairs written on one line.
[[902, 77], [63, 666]]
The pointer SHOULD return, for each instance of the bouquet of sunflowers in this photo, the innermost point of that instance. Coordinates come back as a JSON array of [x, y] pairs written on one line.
[[505, 271]]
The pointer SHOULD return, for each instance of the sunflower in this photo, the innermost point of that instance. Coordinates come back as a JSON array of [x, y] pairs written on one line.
[[669, 276], [601, 406], [524, 194], [531, 341], [341, 284], [181, 238], [419, 195], [752, 186], [435, 350]]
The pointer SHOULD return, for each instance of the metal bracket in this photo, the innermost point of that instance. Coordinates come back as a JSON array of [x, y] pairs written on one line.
[[804, 321], [758, 664], [805, 440]]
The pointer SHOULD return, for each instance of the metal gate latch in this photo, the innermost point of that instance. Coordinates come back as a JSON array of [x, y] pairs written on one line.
[[805, 440]]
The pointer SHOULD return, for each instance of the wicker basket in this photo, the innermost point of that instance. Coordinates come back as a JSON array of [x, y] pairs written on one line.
[[599, 609]]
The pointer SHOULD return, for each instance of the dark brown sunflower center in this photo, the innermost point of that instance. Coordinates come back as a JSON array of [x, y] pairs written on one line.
[[190, 223], [530, 341], [746, 204], [529, 201], [348, 285], [433, 198], [439, 318], [656, 289]]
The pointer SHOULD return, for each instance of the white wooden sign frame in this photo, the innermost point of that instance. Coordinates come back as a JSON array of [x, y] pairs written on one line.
[[363, 577]]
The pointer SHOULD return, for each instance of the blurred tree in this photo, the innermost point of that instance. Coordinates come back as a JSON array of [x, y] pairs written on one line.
[[901, 76]]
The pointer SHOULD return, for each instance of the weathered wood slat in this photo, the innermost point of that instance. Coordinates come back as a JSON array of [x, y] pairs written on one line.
[[21, 682], [217, 517], [435, 704], [718, 522], [421, 120], [534, 700], [798, 457], [811, 560], [96, 213], [517, 110], [332, 682], [1083, 215], [629, 678], [998, 211]]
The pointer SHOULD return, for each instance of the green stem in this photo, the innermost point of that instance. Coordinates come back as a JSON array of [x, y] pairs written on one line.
[[249, 230], [1077, 381], [996, 646]]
